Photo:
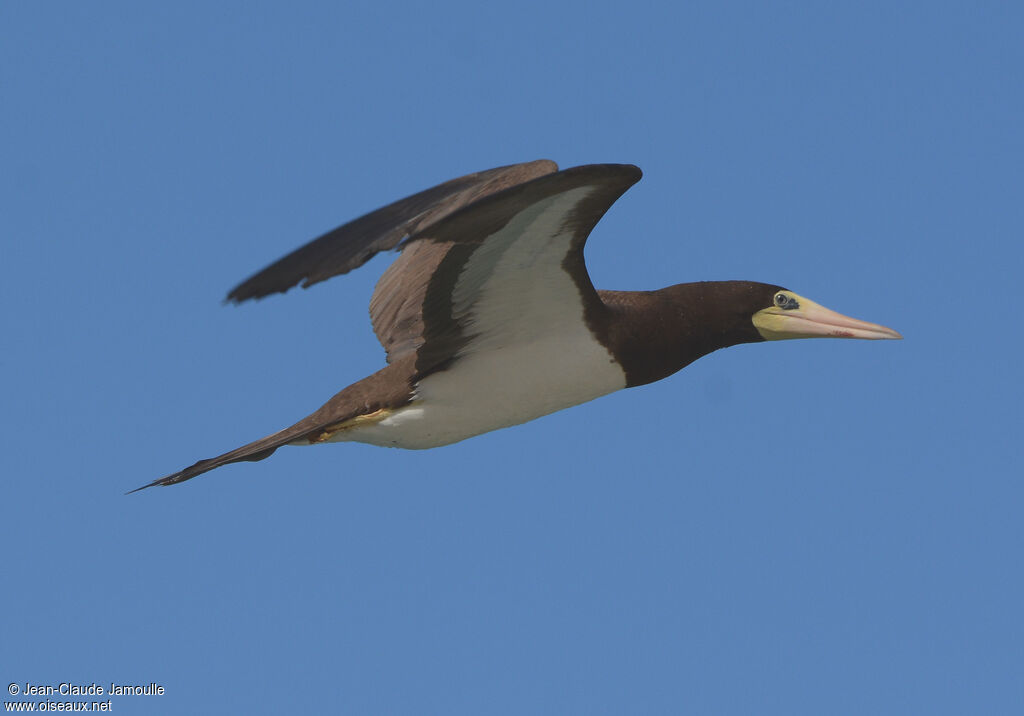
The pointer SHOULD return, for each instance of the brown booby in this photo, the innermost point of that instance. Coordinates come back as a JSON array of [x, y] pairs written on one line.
[[489, 318]]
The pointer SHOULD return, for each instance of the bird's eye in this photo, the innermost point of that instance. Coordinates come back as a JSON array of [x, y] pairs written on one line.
[[786, 303]]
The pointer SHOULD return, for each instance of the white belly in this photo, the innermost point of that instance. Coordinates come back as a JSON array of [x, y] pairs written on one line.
[[495, 389], [528, 351]]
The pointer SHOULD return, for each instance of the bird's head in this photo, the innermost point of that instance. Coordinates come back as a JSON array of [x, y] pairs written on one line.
[[784, 314], [660, 332]]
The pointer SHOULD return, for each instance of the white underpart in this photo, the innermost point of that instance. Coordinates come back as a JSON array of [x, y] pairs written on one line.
[[532, 354]]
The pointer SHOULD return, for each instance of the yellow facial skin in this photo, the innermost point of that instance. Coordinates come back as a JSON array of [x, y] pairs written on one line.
[[794, 316]]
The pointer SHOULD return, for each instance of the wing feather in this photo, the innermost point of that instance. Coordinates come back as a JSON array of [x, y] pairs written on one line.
[[496, 269], [353, 244]]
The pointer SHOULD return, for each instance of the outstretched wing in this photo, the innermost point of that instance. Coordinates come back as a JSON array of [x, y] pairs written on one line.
[[350, 246], [504, 270]]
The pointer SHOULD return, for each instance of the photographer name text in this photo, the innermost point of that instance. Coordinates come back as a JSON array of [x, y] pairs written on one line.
[[115, 689]]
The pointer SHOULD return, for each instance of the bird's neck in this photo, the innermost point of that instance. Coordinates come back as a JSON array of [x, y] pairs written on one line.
[[653, 334]]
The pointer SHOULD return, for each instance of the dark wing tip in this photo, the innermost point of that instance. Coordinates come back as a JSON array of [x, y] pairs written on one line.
[[628, 174], [353, 244]]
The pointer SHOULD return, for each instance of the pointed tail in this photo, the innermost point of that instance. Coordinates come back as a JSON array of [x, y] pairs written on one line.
[[262, 448], [375, 395]]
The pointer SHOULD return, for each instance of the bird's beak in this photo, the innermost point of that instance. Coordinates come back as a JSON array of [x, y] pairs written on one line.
[[808, 319]]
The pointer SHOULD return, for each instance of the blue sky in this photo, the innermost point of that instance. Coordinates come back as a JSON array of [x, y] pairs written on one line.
[[797, 528]]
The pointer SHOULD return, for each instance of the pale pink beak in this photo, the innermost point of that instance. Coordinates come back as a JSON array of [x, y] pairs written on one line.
[[812, 320]]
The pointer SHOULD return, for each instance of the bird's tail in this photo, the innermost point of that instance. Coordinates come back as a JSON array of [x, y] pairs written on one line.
[[368, 400], [252, 452]]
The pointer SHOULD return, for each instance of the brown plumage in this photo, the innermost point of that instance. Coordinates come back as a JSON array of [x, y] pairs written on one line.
[[488, 316], [657, 333], [353, 244]]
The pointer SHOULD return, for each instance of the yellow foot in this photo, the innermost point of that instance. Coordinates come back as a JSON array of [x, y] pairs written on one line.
[[328, 432]]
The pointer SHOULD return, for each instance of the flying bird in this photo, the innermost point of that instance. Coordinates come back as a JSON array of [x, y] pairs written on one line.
[[489, 318]]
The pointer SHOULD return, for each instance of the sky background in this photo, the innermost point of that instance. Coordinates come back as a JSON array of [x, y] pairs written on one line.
[[807, 527]]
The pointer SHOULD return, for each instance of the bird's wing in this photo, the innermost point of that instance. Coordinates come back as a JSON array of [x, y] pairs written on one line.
[[506, 269], [502, 270], [353, 244]]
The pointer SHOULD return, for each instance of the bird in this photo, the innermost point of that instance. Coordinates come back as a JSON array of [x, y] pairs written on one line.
[[489, 319]]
